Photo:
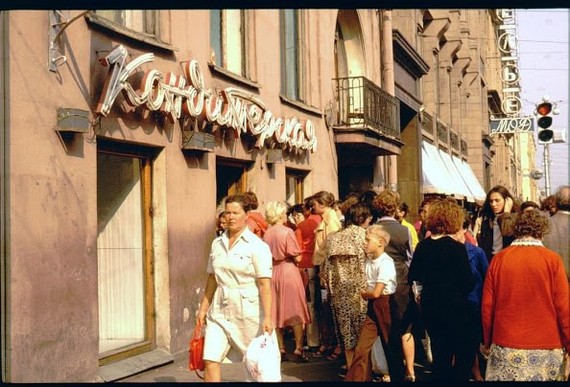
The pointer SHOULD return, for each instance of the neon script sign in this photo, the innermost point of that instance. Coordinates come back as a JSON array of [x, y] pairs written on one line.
[[178, 96]]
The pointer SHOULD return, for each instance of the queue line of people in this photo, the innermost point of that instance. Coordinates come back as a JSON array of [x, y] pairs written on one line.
[[345, 297]]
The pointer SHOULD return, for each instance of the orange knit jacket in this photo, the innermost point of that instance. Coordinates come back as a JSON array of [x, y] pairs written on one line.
[[526, 300]]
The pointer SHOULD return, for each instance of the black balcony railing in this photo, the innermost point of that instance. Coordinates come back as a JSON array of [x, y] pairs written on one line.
[[361, 103]]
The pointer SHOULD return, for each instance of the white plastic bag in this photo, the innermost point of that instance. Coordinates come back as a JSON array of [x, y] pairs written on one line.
[[378, 358], [262, 359]]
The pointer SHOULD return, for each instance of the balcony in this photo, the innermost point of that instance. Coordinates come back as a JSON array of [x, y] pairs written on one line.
[[366, 116]]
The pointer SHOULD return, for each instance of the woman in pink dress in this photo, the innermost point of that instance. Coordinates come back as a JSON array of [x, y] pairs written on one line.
[[288, 306]]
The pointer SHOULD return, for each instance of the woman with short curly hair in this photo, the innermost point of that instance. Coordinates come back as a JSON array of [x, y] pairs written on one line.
[[441, 266], [526, 308]]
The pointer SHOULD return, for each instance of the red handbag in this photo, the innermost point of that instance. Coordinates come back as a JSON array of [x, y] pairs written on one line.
[[196, 351]]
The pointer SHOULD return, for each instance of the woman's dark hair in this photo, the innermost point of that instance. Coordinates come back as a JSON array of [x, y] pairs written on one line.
[[531, 224], [529, 204], [252, 202], [367, 197], [486, 211], [356, 214], [308, 204], [297, 208], [404, 208]]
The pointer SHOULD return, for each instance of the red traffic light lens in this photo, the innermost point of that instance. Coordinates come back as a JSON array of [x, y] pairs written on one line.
[[544, 108]]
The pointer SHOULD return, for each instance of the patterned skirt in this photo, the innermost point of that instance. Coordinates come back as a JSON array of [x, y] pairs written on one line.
[[524, 365]]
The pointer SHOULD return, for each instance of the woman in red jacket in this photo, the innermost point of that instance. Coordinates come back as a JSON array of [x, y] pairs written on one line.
[[526, 311]]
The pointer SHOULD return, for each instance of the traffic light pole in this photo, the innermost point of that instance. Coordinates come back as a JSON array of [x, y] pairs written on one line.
[[543, 113], [546, 164]]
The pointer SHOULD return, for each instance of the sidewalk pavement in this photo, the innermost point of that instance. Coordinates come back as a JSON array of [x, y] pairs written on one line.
[[316, 370]]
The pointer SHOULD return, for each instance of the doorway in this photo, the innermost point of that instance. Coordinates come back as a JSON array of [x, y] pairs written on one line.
[[231, 179]]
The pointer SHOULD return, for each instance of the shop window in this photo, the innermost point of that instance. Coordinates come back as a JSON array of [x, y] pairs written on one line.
[[294, 187], [231, 178], [144, 21], [228, 33], [291, 54], [124, 255]]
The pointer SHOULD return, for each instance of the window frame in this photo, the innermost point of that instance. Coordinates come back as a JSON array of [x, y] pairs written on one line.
[[299, 182], [99, 21], [149, 22], [298, 38], [149, 341], [219, 49]]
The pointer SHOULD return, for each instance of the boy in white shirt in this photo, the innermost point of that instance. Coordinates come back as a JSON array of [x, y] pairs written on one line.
[[381, 283]]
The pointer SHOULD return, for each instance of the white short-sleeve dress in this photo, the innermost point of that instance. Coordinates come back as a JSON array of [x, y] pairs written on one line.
[[235, 316]]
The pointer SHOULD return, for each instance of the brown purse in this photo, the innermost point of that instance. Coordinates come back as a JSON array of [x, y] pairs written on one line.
[[196, 351]]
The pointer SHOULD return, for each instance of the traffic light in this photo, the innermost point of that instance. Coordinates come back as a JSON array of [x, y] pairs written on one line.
[[544, 113]]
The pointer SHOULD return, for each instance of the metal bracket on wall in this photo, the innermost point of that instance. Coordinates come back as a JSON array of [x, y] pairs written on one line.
[[58, 24], [55, 56]]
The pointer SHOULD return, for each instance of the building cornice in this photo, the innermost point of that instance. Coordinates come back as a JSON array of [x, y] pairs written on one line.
[[406, 55]]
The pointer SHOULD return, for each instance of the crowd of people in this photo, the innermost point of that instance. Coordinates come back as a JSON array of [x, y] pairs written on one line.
[[480, 295]]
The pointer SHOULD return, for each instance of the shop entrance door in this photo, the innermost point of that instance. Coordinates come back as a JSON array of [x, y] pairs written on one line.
[[231, 179], [124, 254]]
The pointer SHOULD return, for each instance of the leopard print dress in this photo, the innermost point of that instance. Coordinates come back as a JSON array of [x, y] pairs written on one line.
[[343, 272]]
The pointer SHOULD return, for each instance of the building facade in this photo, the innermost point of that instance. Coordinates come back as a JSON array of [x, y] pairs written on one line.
[[124, 130]]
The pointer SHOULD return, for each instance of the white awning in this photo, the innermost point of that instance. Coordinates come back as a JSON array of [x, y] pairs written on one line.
[[448, 175], [456, 176], [435, 176], [469, 176]]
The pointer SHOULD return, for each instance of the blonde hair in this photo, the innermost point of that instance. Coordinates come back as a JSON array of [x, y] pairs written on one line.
[[380, 232], [274, 211]]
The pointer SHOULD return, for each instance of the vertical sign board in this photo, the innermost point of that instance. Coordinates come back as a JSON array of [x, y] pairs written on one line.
[[507, 42]]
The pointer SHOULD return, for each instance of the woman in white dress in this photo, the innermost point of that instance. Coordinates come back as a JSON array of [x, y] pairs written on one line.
[[236, 306]]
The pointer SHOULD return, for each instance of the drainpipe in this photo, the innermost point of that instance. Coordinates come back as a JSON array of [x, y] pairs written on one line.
[[389, 85]]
